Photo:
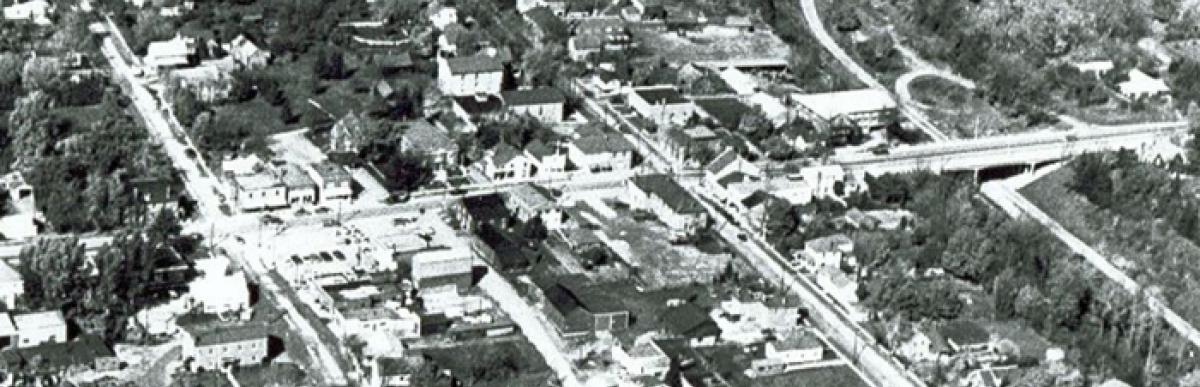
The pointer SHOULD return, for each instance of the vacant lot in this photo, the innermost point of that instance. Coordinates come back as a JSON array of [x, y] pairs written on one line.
[[658, 263], [511, 363], [714, 43]]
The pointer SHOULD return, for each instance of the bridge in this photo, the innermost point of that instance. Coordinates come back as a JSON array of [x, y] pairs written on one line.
[[1011, 150]]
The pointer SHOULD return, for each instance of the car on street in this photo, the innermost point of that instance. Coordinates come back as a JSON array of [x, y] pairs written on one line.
[[322, 210], [326, 256]]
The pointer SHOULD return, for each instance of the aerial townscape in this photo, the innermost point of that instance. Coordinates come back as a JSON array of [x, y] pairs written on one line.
[[599, 193]]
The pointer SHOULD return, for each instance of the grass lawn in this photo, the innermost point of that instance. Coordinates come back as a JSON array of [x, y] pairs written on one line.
[[939, 93], [1115, 113]]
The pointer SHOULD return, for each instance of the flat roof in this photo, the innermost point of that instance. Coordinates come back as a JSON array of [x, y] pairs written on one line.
[[829, 105], [40, 320]]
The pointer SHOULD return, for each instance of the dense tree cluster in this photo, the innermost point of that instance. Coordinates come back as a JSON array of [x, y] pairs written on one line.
[[1022, 270], [105, 291]]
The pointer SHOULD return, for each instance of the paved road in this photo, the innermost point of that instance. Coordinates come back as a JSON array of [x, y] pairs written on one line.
[[1006, 197], [813, 20], [533, 328], [203, 187]]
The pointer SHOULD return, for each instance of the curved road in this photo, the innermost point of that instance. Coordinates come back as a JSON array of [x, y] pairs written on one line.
[[817, 28]]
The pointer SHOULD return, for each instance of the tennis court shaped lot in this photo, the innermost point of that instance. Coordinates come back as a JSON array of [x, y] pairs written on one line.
[[645, 244]]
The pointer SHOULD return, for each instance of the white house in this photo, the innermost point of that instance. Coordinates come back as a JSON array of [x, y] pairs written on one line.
[[333, 181], [23, 220], [246, 53], [600, 150], [506, 162], [1096, 68], [35, 11], [742, 84], [219, 289], [395, 321], [259, 192], [37, 328], [643, 358], [530, 200], [441, 16], [828, 251], [176, 52], [795, 346], [213, 348], [544, 103], [662, 105], [669, 201], [12, 285], [1141, 85], [470, 75], [730, 178], [866, 107], [301, 189], [550, 159]]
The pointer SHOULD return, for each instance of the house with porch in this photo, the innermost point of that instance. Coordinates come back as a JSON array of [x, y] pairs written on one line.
[[670, 202]]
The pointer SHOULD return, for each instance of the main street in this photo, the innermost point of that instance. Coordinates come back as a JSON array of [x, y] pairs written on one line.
[[203, 187]]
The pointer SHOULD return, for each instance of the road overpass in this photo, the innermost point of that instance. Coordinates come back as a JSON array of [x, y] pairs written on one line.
[[1012, 150]]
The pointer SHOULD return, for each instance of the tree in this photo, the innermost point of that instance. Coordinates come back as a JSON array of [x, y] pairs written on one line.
[[187, 106], [535, 230], [407, 171], [330, 64]]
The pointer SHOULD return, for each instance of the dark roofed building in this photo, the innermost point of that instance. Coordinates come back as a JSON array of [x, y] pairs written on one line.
[[670, 202], [692, 322], [660, 95], [393, 62], [474, 64], [475, 107], [506, 254], [88, 352], [485, 209], [727, 112], [577, 309], [546, 104]]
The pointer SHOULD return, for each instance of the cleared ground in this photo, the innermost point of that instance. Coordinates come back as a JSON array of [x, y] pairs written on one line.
[[714, 43]]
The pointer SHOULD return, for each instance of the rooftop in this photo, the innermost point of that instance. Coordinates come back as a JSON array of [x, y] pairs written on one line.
[[674, 195], [486, 208], [83, 351], [504, 153], [330, 172], [831, 243], [7, 329], [603, 141], [798, 338], [294, 177], [535, 96], [829, 105], [474, 64], [690, 320], [476, 105], [229, 334], [534, 196], [727, 111], [256, 181], [52, 319]]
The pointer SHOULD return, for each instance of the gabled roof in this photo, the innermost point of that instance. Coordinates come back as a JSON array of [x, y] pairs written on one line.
[[474, 64], [596, 141], [486, 208], [722, 161], [505, 153], [423, 136], [545, 19], [81, 352], [727, 111], [479, 105], [540, 150], [829, 105], [691, 321], [670, 192], [536, 96]]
